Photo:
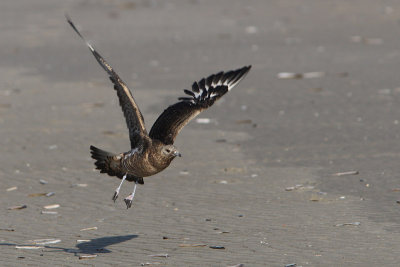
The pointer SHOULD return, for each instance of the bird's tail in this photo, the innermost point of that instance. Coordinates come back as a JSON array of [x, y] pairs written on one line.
[[102, 160]]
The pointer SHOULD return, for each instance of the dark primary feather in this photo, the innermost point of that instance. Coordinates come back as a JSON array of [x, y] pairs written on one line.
[[203, 95], [133, 116]]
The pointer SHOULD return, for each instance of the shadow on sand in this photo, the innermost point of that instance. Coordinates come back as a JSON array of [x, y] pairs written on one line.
[[94, 246], [98, 245]]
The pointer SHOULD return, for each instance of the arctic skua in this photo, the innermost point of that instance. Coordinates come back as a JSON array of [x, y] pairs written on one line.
[[152, 152]]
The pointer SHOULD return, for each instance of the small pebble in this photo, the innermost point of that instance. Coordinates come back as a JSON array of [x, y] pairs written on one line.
[[191, 245], [352, 224], [150, 263], [159, 255], [43, 181], [7, 229], [217, 247]]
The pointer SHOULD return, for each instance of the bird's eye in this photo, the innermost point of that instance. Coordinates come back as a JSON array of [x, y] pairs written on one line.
[[168, 150]]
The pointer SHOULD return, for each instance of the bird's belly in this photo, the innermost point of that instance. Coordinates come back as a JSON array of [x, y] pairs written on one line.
[[143, 168]]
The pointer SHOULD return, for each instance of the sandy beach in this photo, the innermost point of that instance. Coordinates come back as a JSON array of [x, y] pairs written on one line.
[[297, 166]]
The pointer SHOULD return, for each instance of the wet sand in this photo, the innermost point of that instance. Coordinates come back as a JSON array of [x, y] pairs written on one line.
[[256, 180]]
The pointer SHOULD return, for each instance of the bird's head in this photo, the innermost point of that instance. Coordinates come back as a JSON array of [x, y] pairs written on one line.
[[170, 151]]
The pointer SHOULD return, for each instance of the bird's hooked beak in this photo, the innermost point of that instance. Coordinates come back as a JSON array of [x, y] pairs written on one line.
[[176, 153]]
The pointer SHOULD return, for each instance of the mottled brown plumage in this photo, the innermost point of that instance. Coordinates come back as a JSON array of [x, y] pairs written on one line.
[[153, 152]]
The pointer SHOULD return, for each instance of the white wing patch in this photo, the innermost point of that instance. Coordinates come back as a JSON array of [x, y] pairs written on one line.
[[215, 86], [131, 153]]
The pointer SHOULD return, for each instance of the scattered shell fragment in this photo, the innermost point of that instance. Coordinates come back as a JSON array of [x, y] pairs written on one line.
[[20, 207], [251, 29], [48, 212], [203, 120], [244, 122], [217, 247], [306, 75], [314, 74], [50, 194], [37, 194], [237, 265], [345, 173], [150, 263], [52, 147], [46, 241], [289, 75], [28, 247], [79, 185], [82, 240], [84, 257], [7, 229], [374, 41], [108, 133], [90, 228], [184, 172], [370, 41], [299, 186], [291, 265], [352, 224], [54, 206], [159, 255], [12, 188], [43, 181], [315, 198], [191, 245]]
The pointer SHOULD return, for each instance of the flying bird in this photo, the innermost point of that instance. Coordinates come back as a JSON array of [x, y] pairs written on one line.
[[152, 152]]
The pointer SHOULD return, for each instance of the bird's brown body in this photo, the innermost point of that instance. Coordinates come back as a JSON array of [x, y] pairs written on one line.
[[153, 152], [141, 163]]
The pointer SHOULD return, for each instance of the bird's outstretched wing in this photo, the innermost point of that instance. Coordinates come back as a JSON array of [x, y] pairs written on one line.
[[133, 116], [203, 95]]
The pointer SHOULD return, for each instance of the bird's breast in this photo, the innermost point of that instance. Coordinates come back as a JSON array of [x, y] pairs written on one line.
[[142, 165]]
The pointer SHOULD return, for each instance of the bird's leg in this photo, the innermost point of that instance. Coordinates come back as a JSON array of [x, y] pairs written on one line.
[[129, 199], [119, 187]]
